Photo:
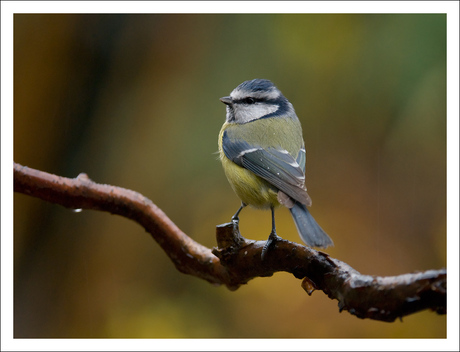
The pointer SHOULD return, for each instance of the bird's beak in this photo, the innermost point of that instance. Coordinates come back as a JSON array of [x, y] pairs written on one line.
[[226, 100]]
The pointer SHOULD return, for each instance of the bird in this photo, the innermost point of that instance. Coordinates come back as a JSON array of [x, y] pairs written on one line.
[[263, 156]]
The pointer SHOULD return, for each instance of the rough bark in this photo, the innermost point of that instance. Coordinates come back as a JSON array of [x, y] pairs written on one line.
[[237, 260]]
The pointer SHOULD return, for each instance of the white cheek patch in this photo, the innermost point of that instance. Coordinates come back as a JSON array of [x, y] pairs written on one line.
[[246, 113]]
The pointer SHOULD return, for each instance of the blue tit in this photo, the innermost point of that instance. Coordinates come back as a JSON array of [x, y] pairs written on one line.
[[263, 155]]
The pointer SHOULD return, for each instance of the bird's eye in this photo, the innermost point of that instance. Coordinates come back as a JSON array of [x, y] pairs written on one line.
[[249, 100]]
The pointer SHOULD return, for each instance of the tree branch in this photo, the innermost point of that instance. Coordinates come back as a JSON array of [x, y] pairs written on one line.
[[237, 260]]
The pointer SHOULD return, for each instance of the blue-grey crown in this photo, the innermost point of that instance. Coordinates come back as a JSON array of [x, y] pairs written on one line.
[[260, 89], [256, 85]]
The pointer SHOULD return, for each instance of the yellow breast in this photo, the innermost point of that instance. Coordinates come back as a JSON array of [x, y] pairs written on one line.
[[251, 189]]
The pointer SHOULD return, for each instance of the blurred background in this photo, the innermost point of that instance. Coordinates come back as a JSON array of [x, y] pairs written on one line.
[[133, 101]]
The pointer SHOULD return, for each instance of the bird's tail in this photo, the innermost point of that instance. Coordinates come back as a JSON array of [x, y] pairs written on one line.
[[309, 230]]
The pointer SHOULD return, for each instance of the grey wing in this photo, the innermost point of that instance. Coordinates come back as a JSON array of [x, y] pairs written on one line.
[[302, 159], [277, 167]]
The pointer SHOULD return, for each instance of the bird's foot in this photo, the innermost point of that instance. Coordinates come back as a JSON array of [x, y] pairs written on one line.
[[235, 219], [271, 242]]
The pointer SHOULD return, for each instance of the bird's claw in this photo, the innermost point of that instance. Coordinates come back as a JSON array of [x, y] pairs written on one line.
[[271, 242]]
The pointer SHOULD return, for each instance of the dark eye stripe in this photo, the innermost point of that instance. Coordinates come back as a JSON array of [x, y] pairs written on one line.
[[249, 100]]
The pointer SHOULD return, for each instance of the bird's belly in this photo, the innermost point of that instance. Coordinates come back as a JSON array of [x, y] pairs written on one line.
[[251, 189]]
